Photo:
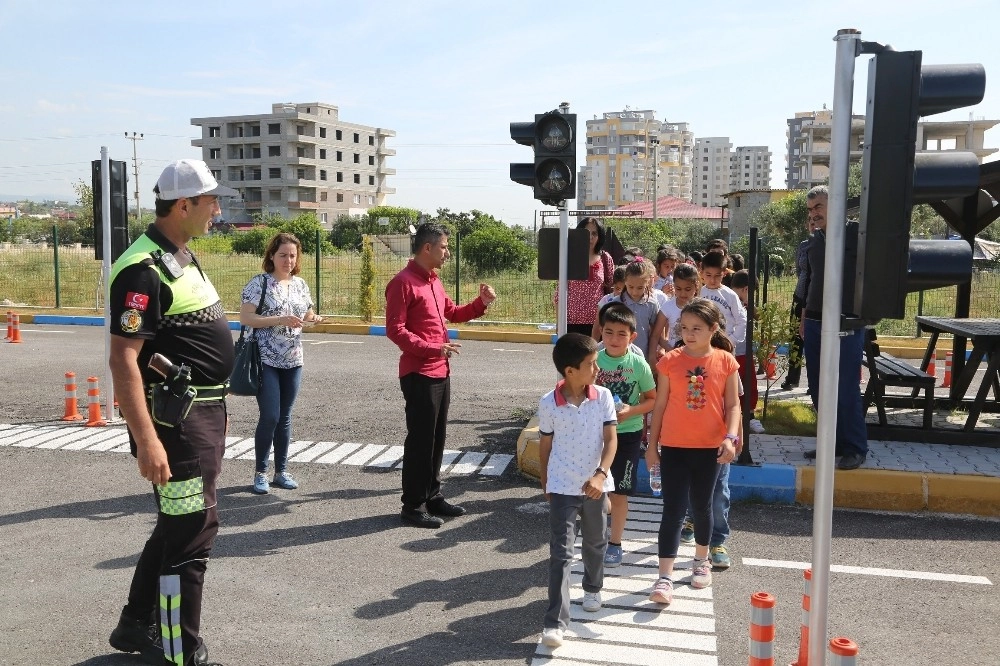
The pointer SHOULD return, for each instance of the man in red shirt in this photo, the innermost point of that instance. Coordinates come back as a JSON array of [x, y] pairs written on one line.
[[415, 311]]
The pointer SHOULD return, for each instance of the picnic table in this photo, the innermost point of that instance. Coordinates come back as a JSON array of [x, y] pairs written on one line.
[[985, 337]]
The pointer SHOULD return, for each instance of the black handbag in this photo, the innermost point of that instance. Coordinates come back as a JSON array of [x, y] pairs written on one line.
[[245, 379]]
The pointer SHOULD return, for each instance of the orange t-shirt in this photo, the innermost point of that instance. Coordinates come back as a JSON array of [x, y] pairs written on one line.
[[695, 416]]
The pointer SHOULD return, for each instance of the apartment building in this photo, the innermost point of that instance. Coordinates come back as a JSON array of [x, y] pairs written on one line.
[[712, 168], [750, 168], [633, 157], [809, 134], [299, 157]]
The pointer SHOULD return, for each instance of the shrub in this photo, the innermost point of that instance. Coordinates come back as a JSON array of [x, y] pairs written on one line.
[[366, 299], [492, 249], [252, 241]]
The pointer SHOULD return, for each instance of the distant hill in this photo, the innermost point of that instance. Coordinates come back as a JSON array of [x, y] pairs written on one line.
[[39, 198]]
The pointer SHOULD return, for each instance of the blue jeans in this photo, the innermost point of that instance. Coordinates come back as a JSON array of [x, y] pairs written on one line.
[[852, 433], [720, 508], [278, 389]]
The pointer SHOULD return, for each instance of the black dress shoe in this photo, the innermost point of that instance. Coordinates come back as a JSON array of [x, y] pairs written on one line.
[[788, 386], [140, 636], [810, 454], [443, 507], [851, 461], [420, 518]]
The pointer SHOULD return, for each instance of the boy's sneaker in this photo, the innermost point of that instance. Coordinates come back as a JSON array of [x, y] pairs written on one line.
[[552, 637], [687, 533], [285, 480], [720, 558], [701, 574], [663, 591], [756, 427], [260, 486], [591, 601], [613, 556]]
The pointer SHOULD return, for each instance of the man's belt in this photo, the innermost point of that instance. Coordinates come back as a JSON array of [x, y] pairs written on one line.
[[205, 393]]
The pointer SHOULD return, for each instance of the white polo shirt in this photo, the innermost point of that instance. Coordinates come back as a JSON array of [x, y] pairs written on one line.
[[577, 437]]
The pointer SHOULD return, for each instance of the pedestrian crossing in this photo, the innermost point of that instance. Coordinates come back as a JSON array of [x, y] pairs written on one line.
[[76, 437], [630, 630]]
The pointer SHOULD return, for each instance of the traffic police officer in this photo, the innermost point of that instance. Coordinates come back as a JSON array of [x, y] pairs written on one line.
[[162, 303]]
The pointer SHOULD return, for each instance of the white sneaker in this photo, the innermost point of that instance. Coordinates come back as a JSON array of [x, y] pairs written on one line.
[[552, 637], [756, 427], [701, 574], [591, 601]]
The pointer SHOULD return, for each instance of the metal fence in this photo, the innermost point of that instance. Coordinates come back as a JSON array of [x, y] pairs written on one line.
[[70, 277]]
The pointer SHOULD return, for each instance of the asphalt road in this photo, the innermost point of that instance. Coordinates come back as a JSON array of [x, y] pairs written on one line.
[[327, 575]]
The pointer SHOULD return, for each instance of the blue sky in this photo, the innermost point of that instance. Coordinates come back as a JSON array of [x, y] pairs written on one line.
[[448, 77]]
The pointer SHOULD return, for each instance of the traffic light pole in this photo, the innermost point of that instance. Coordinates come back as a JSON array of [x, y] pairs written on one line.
[[105, 194], [562, 319], [848, 41]]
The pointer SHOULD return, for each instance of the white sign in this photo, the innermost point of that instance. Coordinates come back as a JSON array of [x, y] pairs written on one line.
[[383, 221]]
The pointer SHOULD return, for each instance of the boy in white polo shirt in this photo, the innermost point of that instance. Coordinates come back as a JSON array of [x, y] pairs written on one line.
[[577, 426]]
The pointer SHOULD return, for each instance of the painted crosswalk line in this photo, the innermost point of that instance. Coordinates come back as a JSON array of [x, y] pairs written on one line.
[[629, 628], [114, 439]]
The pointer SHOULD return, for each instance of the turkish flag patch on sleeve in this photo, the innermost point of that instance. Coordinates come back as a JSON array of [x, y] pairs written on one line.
[[137, 301]]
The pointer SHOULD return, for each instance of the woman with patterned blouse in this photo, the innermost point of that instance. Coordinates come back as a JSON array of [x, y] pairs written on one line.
[[581, 310]]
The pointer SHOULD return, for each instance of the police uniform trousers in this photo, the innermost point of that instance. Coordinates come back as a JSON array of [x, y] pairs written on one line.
[[168, 578]]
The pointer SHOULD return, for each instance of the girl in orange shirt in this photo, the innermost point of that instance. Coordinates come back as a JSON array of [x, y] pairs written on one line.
[[694, 419]]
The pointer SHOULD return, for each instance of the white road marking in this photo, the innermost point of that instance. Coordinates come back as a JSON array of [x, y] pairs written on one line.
[[469, 463], [496, 464], [366, 453], [313, 452], [517, 351], [872, 571], [239, 448], [335, 342], [339, 453], [387, 458]]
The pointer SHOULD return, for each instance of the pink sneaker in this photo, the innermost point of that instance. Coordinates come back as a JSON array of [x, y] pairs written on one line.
[[663, 591]]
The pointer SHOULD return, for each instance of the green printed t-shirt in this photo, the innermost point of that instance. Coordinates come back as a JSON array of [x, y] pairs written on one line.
[[627, 377]]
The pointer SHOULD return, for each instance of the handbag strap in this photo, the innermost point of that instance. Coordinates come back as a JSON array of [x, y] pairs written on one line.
[[260, 304]]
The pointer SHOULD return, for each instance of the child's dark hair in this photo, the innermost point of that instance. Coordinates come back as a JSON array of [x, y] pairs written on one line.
[[741, 278], [710, 313], [665, 253], [632, 252], [618, 275], [640, 267], [571, 349], [714, 259], [617, 313], [717, 244], [737, 261], [696, 256], [686, 272]]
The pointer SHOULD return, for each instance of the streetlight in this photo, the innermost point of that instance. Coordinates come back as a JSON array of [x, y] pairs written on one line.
[[655, 142]]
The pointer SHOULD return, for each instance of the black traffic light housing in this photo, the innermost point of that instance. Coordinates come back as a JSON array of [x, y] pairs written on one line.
[[553, 173], [895, 177], [119, 209]]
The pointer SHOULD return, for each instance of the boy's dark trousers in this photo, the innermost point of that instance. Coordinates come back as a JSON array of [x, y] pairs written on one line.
[[563, 510], [427, 400]]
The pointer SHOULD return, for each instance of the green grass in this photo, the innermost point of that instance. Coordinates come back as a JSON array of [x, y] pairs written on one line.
[[790, 417]]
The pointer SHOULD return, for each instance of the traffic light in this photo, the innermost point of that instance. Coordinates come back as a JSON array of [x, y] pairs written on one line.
[[119, 209], [895, 177], [553, 174]]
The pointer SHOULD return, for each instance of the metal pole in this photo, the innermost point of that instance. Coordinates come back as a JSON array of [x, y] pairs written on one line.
[[105, 194], [561, 318], [656, 167], [848, 41], [458, 266], [135, 162], [318, 298], [55, 259]]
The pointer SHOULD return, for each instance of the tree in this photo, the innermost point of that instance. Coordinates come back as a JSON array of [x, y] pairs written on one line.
[[85, 198], [366, 299], [782, 225], [492, 249]]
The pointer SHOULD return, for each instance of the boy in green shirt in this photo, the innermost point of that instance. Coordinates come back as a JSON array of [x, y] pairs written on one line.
[[623, 370]]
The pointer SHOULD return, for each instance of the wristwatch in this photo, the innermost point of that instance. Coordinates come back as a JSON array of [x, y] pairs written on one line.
[[734, 438], [601, 470]]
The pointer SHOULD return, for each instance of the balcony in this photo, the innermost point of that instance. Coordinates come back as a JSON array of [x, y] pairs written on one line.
[[303, 205]]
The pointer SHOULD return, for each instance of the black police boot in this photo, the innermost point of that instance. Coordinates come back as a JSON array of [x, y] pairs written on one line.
[[132, 635], [200, 657]]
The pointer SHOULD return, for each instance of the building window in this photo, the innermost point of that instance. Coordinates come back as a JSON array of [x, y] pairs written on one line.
[[322, 132], [746, 182], [340, 197], [301, 174], [357, 178], [371, 201], [340, 156], [217, 174], [371, 160], [322, 153], [213, 153], [274, 195], [357, 158], [322, 196], [214, 132], [255, 152], [371, 180], [274, 172], [357, 199], [274, 151], [322, 174], [322, 216], [357, 138], [704, 168], [300, 151], [371, 141], [704, 178], [340, 176], [340, 135], [274, 128]]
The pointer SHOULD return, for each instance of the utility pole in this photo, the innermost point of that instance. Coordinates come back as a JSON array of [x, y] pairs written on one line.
[[655, 141], [135, 162]]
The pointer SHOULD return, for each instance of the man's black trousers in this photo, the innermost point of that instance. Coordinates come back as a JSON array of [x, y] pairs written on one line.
[[427, 400]]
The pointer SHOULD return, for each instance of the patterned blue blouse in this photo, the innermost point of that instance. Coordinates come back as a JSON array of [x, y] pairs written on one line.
[[280, 346]]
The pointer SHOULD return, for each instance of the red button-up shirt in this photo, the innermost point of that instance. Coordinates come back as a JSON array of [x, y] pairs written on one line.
[[415, 312]]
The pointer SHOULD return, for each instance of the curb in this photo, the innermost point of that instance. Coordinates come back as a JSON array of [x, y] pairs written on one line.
[[875, 489]]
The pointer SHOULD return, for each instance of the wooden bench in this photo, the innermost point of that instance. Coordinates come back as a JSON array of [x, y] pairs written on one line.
[[886, 370]]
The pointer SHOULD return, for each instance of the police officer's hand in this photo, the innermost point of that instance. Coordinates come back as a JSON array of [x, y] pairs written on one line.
[[153, 465]]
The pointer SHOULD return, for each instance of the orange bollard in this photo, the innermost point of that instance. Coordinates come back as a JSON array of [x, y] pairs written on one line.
[[10, 326], [15, 333], [932, 364], [94, 417], [761, 629], [771, 370], [803, 659], [947, 371], [71, 412], [843, 652]]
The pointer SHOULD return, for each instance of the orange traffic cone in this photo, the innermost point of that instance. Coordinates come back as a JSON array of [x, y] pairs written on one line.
[[803, 659], [932, 364], [10, 326], [771, 370], [94, 417], [947, 371], [761, 629], [71, 412], [15, 333], [843, 652]]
